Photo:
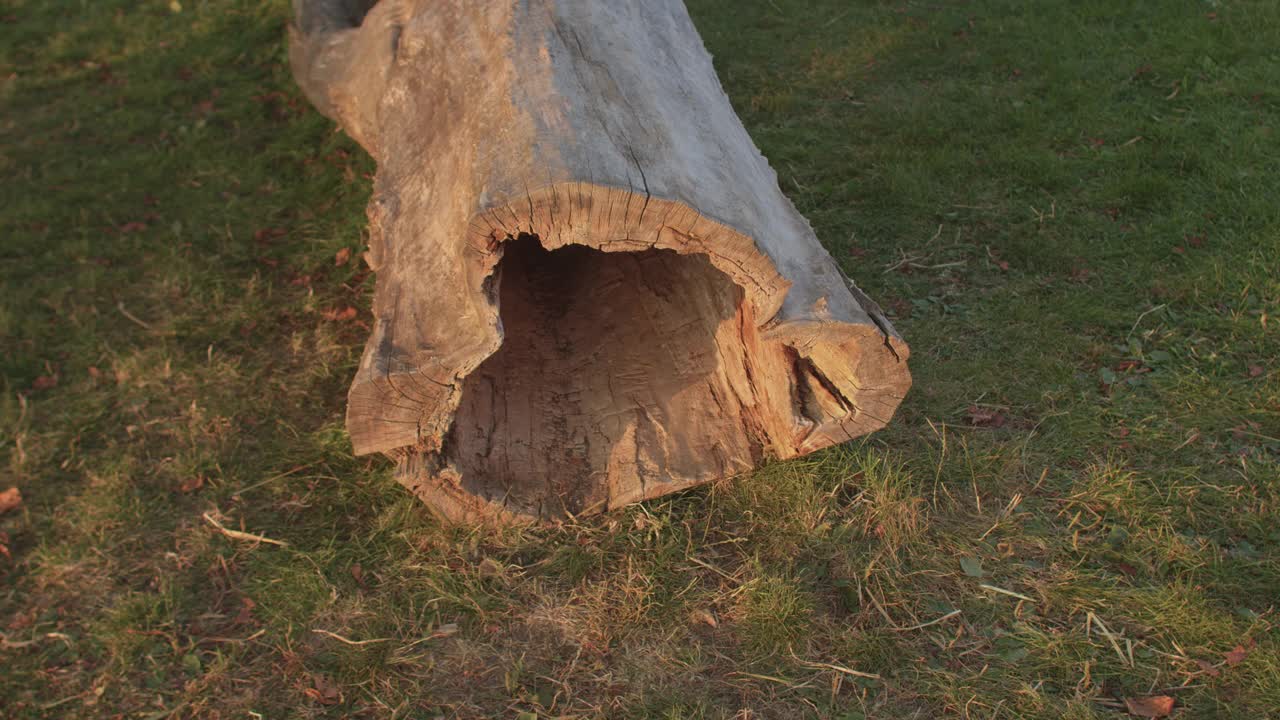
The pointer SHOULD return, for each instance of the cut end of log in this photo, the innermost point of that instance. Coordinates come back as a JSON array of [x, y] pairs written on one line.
[[623, 370], [591, 290]]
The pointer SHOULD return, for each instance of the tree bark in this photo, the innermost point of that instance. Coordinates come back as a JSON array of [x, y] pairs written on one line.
[[590, 289]]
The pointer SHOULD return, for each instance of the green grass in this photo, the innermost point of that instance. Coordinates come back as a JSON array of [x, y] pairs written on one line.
[[1069, 209]]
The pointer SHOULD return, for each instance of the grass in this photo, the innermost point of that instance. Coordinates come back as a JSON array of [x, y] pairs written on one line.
[[1069, 209]]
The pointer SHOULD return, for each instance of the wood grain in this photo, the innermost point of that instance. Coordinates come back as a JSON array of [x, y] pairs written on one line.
[[591, 290]]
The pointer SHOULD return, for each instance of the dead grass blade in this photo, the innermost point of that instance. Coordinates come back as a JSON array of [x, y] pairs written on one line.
[[238, 535]]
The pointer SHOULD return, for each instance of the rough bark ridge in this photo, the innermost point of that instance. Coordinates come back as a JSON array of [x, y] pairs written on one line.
[[590, 289]]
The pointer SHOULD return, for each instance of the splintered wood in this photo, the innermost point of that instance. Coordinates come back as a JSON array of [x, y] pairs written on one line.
[[590, 289]]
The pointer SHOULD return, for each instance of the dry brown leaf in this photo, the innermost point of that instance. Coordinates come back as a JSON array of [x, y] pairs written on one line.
[[705, 617], [1236, 655], [343, 315], [191, 484], [1156, 706], [342, 257], [985, 417], [267, 234], [10, 499], [245, 616], [324, 691], [1255, 371], [44, 382]]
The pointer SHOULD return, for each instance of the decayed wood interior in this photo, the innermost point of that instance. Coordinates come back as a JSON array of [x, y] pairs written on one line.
[[604, 356]]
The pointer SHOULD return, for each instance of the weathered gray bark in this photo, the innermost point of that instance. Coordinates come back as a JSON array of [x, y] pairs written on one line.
[[590, 289]]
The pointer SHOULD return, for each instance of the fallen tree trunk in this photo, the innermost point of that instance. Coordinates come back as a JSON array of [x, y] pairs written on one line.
[[590, 289]]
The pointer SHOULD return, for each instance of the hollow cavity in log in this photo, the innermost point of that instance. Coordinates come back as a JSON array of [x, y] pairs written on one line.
[[610, 363], [591, 290]]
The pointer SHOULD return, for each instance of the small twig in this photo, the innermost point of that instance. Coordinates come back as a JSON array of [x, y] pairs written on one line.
[[935, 621], [1106, 632], [56, 703], [770, 678], [1257, 435], [217, 639], [880, 607], [833, 20], [238, 535], [8, 644], [348, 641], [1002, 591], [837, 668], [1004, 514], [131, 316], [1139, 320], [1194, 436], [712, 568]]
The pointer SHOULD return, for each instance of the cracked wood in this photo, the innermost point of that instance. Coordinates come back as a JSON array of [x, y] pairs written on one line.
[[591, 290]]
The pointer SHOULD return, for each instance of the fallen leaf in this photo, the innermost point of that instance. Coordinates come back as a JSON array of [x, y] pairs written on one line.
[[1236, 655], [357, 573], [1156, 706], [191, 484], [1195, 241], [245, 616], [704, 617], [1127, 569], [1124, 365], [323, 690], [10, 499], [266, 234], [343, 315], [44, 382], [342, 257], [985, 417], [1255, 371], [134, 226]]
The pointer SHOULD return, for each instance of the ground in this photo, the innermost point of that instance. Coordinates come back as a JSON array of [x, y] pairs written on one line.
[[1069, 210]]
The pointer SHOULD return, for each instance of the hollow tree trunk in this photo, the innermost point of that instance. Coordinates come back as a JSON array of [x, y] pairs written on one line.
[[590, 289]]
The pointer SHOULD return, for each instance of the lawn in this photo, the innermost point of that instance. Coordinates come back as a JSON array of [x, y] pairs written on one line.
[[1070, 210]]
